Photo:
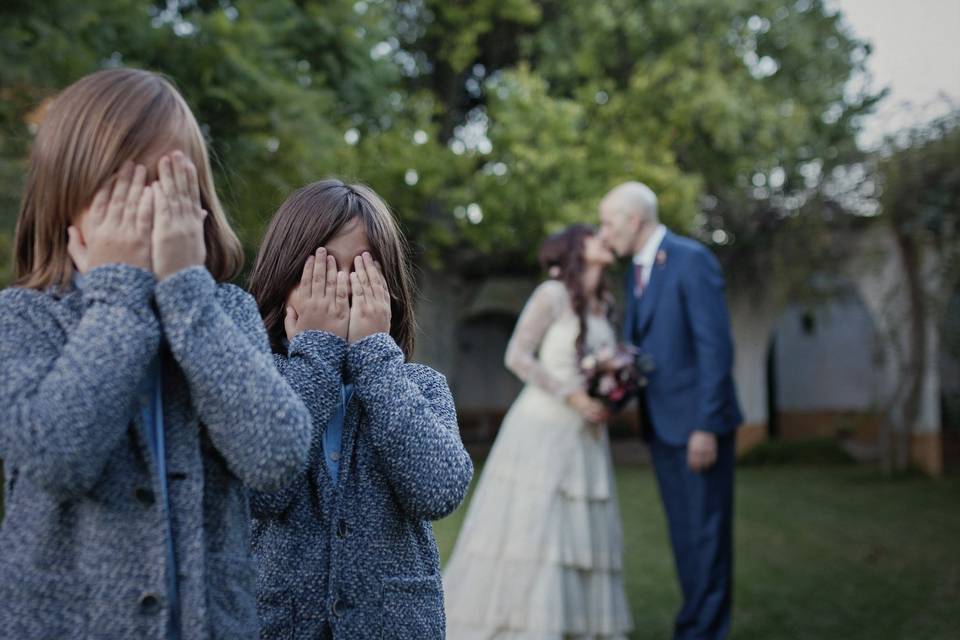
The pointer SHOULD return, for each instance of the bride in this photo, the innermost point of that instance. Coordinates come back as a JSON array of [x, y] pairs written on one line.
[[539, 556]]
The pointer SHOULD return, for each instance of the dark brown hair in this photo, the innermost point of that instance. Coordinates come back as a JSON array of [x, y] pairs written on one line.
[[308, 219], [562, 257], [90, 130]]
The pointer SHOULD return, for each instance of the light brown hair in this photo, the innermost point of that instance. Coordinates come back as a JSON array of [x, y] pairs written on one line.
[[308, 219], [92, 128]]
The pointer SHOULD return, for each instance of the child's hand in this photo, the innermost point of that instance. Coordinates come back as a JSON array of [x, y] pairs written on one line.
[[178, 240], [116, 227], [320, 300], [370, 309]]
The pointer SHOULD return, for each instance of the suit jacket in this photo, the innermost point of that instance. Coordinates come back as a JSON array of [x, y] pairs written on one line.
[[681, 322], [358, 557], [82, 548]]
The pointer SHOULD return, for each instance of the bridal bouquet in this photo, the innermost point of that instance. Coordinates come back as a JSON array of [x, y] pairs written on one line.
[[614, 374]]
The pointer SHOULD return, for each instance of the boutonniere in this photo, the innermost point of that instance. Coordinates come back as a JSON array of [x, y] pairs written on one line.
[[661, 257]]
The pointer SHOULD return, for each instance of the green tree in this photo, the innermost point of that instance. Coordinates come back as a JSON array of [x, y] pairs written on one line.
[[735, 111], [919, 180], [488, 123], [274, 84]]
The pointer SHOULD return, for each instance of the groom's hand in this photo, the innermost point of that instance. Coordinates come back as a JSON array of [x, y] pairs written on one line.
[[701, 451]]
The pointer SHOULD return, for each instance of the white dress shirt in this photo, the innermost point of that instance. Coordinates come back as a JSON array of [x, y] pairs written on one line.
[[648, 255]]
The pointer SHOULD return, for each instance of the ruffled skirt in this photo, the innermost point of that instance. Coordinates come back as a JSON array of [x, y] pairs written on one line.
[[539, 556]]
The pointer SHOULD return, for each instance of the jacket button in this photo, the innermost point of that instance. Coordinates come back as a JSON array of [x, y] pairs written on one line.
[[144, 495], [342, 529], [333, 608], [150, 603]]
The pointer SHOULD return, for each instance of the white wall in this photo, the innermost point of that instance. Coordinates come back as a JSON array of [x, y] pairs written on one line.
[[829, 364], [844, 367], [752, 317]]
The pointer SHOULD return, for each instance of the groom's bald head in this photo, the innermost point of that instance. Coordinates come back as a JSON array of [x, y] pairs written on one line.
[[627, 213], [632, 199]]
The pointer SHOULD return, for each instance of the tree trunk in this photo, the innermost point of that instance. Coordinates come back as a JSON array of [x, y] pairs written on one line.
[[906, 416]]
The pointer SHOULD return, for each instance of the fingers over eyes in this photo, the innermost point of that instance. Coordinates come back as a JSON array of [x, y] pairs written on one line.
[[341, 287], [137, 183], [168, 184], [376, 277], [306, 278], [161, 205], [144, 209], [360, 269], [331, 280], [118, 195], [98, 208], [357, 286], [319, 272], [193, 183], [181, 180]]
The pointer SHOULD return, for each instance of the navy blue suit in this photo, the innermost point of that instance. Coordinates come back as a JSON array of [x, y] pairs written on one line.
[[681, 322]]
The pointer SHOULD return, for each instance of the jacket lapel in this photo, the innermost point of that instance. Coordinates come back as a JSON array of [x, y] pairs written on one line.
[[648, 301], [630, 318]]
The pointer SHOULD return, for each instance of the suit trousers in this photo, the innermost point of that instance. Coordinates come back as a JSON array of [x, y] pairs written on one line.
[[699, 509]]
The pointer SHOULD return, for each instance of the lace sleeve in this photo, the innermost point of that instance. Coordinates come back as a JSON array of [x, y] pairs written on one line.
[[544, 307]]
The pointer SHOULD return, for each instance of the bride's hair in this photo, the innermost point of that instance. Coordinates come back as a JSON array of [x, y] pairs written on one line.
[[562, 257]]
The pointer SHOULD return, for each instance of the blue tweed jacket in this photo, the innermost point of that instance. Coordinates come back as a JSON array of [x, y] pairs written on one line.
[[359, 559], [82, 549]]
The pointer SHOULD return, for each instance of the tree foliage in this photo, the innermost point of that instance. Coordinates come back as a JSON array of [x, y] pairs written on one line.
[[919, 178], [485, 124], [920, 187]]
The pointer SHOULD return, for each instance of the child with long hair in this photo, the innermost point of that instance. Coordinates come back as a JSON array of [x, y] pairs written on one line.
[[138, 397], [348, 550]]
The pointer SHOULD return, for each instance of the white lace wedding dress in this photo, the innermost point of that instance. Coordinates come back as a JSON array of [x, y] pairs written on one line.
[[539, 556]]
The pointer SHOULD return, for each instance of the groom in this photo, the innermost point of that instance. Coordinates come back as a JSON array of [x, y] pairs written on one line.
[[677, 316]]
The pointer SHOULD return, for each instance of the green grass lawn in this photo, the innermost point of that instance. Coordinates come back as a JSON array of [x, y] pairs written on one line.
[[822, 553]]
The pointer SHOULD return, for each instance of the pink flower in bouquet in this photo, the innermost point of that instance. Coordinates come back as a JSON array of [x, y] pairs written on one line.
[[617, 394], [611, 374], [606, 384]]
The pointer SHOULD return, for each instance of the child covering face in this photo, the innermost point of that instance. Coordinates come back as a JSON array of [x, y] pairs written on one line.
[[348, 550], [138, 397]]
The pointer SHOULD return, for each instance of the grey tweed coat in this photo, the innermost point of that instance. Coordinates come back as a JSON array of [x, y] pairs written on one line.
[[82, 548], [359, 559]]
